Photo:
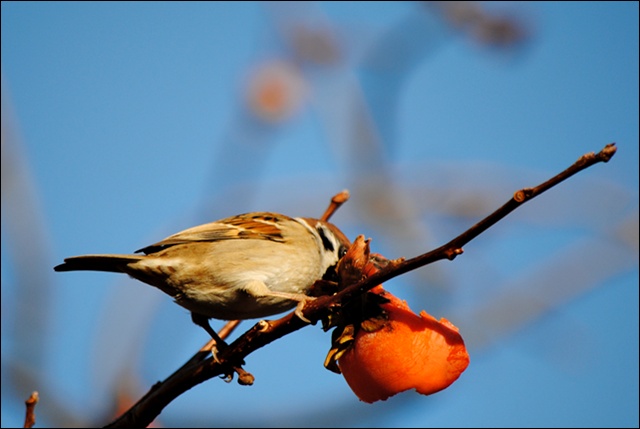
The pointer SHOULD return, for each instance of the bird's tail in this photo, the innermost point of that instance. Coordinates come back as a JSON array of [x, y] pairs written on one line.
[[110, 263]]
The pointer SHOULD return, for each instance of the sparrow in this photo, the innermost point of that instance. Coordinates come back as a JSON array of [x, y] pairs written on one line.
[[248, 266]]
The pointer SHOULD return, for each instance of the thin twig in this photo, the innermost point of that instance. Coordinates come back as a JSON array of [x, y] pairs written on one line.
[[30, 417], [265, 332], [337, 200]]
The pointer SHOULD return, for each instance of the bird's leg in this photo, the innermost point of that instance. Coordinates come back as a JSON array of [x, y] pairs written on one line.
[[245, 378], [203, 321]]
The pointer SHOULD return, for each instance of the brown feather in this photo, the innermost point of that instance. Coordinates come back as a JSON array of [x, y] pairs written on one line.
[[260, 226]]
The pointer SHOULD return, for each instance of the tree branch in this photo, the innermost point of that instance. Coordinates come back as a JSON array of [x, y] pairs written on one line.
[[203, 367], [30, 415]]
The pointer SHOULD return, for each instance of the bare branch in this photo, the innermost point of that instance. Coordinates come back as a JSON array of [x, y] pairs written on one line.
[[454, 247], [30, 417]]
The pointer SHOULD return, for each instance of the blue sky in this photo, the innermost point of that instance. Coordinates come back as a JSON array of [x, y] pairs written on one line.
[[128, 122]]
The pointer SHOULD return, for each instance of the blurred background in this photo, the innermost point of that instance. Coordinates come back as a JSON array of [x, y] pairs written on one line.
[[123, 123]]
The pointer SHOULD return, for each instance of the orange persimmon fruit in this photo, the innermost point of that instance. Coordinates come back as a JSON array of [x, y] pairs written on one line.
[[408, 351]]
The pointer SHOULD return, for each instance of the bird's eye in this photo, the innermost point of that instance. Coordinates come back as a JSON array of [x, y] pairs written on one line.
[[342, 251]]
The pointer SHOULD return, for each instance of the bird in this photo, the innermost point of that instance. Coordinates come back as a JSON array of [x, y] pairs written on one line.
[[247, 266]]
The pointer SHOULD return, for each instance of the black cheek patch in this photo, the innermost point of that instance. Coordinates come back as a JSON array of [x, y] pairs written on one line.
[[328, 245], [331, 274]]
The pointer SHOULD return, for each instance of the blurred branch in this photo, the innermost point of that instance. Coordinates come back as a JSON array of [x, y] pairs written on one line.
[[486, 27], [203, 367], [28, 283]]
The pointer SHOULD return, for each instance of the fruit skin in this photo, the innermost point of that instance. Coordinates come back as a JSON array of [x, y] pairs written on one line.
[[407, 351]]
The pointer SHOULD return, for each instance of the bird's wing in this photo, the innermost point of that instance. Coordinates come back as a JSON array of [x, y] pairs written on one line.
[[258, 226]]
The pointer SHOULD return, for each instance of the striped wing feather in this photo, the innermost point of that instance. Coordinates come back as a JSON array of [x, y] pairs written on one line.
[[257, 226]]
